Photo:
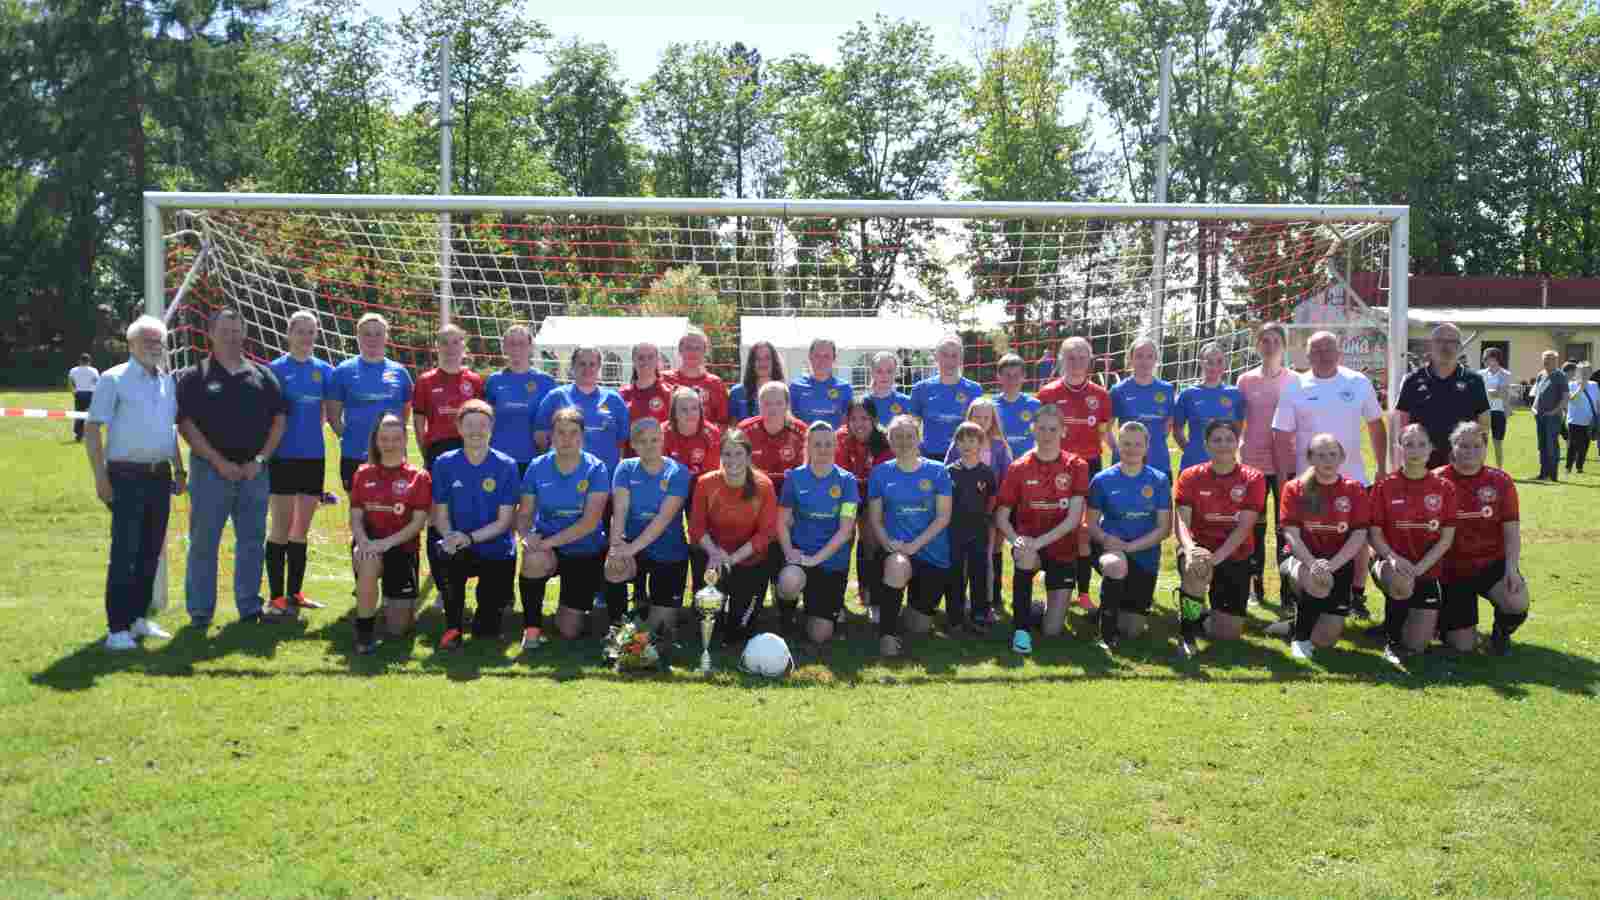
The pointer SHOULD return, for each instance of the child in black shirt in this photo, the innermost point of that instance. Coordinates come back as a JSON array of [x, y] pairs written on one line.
[[971, 520]]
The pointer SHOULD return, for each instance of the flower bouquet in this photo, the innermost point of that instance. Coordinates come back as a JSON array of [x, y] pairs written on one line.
[[631, 648]]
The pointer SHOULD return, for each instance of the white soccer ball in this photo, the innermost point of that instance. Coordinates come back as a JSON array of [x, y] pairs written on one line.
[[767, 655]]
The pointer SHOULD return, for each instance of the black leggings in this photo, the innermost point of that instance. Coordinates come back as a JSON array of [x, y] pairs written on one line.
[[495, 577], [1258, 555], [1577, 445], [744, 587]]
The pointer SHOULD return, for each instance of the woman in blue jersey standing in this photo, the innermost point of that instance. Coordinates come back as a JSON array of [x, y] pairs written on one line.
[[1150, 401], [820, 396], [761, 366], [1204, 403], [605, 414], [515, 392], [941, 400], [648, 496], [296, 471], [364, 388], [888, 401]]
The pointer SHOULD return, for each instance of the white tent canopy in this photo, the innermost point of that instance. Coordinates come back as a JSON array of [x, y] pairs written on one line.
[[615, 336], [858, 339]]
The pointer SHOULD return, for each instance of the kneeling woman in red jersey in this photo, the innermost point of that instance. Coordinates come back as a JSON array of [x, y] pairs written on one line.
[[1218, 505], [389, 503], [1483, 561], [733, 517], [1413, 526], [1325, 518], [1039, 507]]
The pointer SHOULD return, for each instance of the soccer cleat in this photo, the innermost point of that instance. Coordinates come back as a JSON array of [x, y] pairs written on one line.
[[367, 647], [279, 608], [532, 639], [1085, 603], [872, 614], [120, 640], [1109, 640], [451, 641], [143, 628], [1358, 606], [1187, 649], [889, 645], [1281, 629], [304, 602], [1394, 656], [1022, 642], [1302, 649]]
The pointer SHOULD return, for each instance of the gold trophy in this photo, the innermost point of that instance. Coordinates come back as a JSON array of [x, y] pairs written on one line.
[[708, 600]]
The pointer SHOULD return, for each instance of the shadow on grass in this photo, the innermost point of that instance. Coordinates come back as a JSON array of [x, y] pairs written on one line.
[[851, 660]]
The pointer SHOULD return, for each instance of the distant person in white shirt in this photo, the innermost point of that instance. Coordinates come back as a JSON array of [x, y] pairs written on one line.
[[1582, 423], [1333, 399], [1497, 380], [83, 378]]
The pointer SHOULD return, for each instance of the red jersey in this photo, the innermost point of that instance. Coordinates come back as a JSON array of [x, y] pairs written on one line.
[[1484, 502], [1412, 511], [713, 393], [1215, 502], [697, 452], [775, 454], [1341, 508], [439, 395], [1085, 415], [730, 519], [856, 458], [1038, 494], [654, 401], [387, 498]]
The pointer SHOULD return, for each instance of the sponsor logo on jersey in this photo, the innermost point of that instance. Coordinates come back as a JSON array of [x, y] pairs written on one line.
[[1461, 385], [834, 492], [1342, 504], [1343, 526], [1091, 420], [399, 509], [213, 387], [1433, 502], [488, 485]]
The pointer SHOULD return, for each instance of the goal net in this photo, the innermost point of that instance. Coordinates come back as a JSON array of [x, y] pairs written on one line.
[[1014, 278]]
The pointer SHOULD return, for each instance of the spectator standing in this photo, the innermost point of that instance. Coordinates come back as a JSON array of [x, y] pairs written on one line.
[[83, 378], [1497, 383], [1550, 395], [1580, 417], [1261, 387], [1441, 395], [232, 413]]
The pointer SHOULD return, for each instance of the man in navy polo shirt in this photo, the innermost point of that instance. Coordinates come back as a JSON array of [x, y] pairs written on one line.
[[1442, 394], [232, 413]]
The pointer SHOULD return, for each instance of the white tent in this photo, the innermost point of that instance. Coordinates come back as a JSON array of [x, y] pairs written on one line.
[[615, 336], [858, 339]]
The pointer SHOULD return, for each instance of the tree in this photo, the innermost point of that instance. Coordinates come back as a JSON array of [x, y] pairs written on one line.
[[683, 110], [586, 116]]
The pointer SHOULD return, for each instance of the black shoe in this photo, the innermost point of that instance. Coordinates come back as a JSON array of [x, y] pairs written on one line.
[[1109, 640], [1499, 644], [1258, 591], [1358, 607], [367, 648], [254, 618]]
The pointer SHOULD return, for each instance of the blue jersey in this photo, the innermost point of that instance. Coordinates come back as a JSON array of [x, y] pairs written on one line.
[[738, 407], [1151, 405], [305, 385], [811, 400], [646, 494], [368, 390], [910, 505], [1128, 505], [605, 419], [516, 398], [559, 499], [474, 495], [819, 504], [942, 407], [1016, 419], [893, 404], [1197, 407]]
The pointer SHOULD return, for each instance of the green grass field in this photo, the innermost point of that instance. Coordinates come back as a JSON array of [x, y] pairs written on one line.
[[265, 760]]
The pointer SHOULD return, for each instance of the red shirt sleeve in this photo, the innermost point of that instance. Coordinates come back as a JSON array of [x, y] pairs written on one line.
[[421, 496], [1360, 506], [1289, 504], [420, 392], [1080, 477], [1011, 489], [1510, 508], [1255, 498], [1181, 492]]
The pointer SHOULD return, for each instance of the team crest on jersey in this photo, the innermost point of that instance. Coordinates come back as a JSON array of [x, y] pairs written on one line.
[[213, 387], [1161, 397], [1063, 481], [1342, 504], [1237, 493], [833, 393], [663, 484], [786, 452], [1092, 401], [1027, 416], [466, 389], [834, 492], [896, 408], [697, 455], [583, 485], [1433, 502], [315, 375], [1226, 402], [1347, 396], [400, 487], [488, 485], [1487, 494], [1147, 492], [925, 485], [960, 397], [528, 387], [655, 404]]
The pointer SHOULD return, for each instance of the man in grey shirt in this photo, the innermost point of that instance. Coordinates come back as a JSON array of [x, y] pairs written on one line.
[[1550, 394]]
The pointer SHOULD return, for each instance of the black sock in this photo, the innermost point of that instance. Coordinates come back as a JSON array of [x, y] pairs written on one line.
[[532, 601], [454, 597], [1083, 570], [1304, 620], [275, 558], [1022, 599], [1358, 599], [297, 568], [889, 611], [617, 602], [996, 564], [364, 625], [1111, 590], [1394, 620], [1506, 624]]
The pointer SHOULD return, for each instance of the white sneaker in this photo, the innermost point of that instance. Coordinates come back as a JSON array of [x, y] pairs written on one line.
[[1281, 629], [120, 640], [145, 628], [1302, 649]]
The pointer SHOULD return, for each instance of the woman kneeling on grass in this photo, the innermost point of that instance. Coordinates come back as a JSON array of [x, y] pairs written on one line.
[[1484, 559], [1413, 526], [560, 519], [1130, 514], [733, 518], [910, 502], [1218, 505], [389, 501], [474, 502], [1325, 515], [816, 520], [648, 494]]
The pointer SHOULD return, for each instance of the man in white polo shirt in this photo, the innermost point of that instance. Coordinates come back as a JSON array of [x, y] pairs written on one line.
[[83, 377], [1331, 398]]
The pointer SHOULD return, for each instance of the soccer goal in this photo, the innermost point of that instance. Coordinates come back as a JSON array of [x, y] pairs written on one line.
[[1011, 277]]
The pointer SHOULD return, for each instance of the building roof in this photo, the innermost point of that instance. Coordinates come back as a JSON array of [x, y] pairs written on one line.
[[610, 331], [848, 332], [1506, 315]]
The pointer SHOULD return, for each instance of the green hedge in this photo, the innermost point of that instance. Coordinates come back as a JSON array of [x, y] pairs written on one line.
[[43, 368]]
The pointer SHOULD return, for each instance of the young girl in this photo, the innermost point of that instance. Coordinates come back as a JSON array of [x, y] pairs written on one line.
[[647, 396], [389, 501], [973, 488], [1413, 525], [1218, 505]]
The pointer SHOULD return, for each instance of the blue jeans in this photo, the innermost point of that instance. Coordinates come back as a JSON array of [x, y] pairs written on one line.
[[1549, 428], [139, 510], [213, 500]]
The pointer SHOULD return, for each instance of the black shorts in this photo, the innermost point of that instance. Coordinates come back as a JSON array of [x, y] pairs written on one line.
[[347, 470], [400, 567], [660, 583], [581, 577], [296, 477], [1427, 596], [1337, 603], [1058, 576], [824, 593], [438, 449], [1138, 589], [1497, 424], [1230, 585], [928, 586], [1460, 608]]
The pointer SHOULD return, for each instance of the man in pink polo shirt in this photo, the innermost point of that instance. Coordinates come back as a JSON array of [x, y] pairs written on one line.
[[1261, 386]]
